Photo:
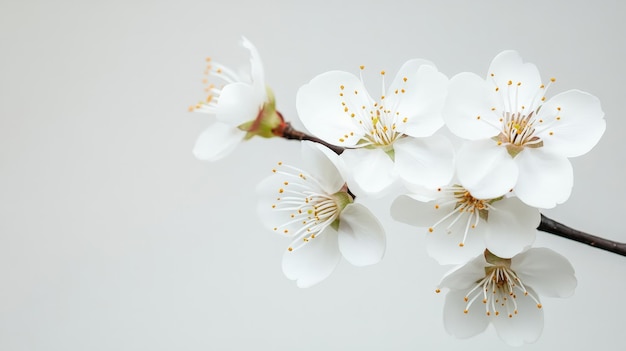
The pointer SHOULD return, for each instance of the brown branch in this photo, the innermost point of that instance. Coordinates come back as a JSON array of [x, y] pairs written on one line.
[[288, 132], [553, 227]]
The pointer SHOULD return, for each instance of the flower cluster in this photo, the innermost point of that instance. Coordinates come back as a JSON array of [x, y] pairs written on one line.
[[479, 205]]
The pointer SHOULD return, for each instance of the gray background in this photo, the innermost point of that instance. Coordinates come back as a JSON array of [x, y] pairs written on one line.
[[113, 237]]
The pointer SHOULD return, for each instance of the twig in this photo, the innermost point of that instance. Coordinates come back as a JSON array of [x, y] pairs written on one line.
[[553, 227], [288, 132]]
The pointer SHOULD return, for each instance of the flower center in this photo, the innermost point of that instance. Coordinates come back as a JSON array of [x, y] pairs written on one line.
[[465, 205], [498, 291], [379, 124], [309, 209], [518, 126]]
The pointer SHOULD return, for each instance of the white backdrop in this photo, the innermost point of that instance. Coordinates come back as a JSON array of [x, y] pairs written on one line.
[[113, 237]]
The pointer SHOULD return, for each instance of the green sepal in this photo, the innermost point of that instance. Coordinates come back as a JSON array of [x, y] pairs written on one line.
[[266, 121]]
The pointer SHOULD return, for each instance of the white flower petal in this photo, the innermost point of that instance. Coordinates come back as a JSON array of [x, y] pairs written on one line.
[[549, 273], [508, 70], [320, 107], [361, 238], [409, 210], [545, 180], [321, 163], [425, 162], [524, 327], [256, 66], [314, 261], [463, 325], [217, 141], [268, 205], [512, 227], [238, 103], [465, 276], [372, 171], [485, 169], [469, 97], [444, 246], [573, 123], [419, 98]]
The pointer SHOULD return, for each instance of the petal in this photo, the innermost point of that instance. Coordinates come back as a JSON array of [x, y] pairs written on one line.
[[217, 141], [321, 164], [518, 82], [238, 103], [418, 92], [427, 162], [465, 277], [545, 180], [274, 216], [256, 65], [524, 327], [372, 171], [444, 245], [573, 123], [512, 227], [469, 97], [486, 169], [456, 322], [549, 273], [409, 210], [361, 236], [322, 111], [313, 262]]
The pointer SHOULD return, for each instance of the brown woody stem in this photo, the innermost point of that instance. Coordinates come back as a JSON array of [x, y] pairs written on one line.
[[553, 227]]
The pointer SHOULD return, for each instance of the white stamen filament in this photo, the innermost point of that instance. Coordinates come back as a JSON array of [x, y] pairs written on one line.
[[309, 209], [465, 205], [379, 125], [498, 289]]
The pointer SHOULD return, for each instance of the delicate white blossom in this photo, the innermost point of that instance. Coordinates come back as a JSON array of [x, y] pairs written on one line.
[[242, 108], [505, 292], [313, 208], [389, 135], [459, 226], [517, 139]]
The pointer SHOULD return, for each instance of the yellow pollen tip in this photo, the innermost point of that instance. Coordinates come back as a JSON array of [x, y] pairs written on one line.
[[553, 80], [509, 82], [477, 117], [497, 89], [466, 311], [405, 79], [361, 67], [430, 230], [466, 299], [437, 207], [191, 108], [437, 291], [290, 249], [492, 74], [382, 73], [519, 83], [281, 190], [539, 305], [461, 244], [497, 313]]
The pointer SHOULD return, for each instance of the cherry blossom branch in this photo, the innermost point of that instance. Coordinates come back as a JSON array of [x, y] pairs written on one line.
[[547, 225], [553, 227], [288, 132]]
